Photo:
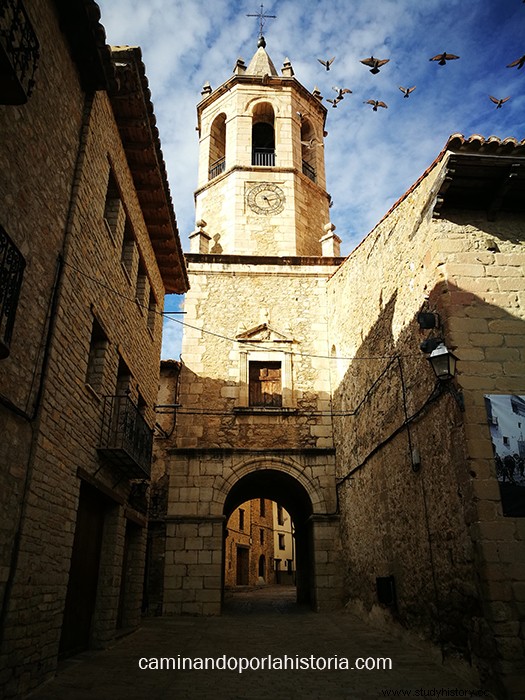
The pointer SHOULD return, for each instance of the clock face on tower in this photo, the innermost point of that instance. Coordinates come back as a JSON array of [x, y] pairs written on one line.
[[265, 198]]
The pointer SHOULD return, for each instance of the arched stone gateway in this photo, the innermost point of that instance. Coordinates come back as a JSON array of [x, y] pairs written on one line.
[[313, 549], [195, 539]]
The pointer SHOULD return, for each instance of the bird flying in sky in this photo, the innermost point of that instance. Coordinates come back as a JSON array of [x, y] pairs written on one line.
[[376, 63], [341, 92], [518, 62], [442, 58], [406, 91], [375, 104], [326, 63], [497, 102], [334, 102]]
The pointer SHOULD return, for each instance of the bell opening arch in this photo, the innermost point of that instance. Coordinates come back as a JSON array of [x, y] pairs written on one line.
[[263, 134]]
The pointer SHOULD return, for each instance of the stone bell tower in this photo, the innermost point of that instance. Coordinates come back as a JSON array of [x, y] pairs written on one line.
[[253, 415], [261, 165]]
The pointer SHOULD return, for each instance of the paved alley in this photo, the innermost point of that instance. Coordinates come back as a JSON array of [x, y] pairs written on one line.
[[256, 625]]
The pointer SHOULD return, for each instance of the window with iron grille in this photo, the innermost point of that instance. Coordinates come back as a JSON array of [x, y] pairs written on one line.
[[12, 266], [19, 53]]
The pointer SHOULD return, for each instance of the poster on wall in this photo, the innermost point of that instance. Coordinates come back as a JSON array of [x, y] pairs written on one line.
[[506, 417]]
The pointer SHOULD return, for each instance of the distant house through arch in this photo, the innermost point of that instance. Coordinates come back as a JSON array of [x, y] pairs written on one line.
[[284, 489]]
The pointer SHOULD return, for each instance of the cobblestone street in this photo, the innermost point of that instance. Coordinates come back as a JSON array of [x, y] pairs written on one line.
[[256, 624]]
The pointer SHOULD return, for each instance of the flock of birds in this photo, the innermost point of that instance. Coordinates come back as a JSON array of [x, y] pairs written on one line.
[[375, 65]]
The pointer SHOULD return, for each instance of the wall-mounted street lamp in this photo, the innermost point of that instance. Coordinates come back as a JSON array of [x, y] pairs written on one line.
[[443, 362], [444, 365]]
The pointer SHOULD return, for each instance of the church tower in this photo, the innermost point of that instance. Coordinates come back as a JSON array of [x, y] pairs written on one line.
[[261, 185], [254, 398]]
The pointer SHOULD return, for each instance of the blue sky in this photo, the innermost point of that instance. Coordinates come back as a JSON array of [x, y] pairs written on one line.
[[372, 158]]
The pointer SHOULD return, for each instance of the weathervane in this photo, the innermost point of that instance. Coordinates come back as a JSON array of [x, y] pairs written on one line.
[[262, 17]]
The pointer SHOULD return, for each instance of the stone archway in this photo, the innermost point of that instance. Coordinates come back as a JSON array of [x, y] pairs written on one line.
[[208, 484], [286, 490]]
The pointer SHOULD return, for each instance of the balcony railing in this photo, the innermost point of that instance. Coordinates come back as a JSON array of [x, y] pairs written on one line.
[[217, 168], [12, 266], [309, 171], [126, 438], [263, 156], [19, 52]]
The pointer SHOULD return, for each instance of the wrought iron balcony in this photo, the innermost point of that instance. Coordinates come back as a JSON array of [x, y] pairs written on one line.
[[309, 171], [217, 168], [126, 438], [12, 266], [19, 52], [263, 156]]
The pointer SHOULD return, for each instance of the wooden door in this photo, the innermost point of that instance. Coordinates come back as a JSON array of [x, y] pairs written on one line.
[[83, 575], [242, 566]]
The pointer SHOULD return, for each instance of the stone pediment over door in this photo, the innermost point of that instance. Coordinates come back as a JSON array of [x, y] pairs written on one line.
[[263, 333]]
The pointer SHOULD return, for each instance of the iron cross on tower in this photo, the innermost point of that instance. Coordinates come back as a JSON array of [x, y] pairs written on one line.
[[261, 17]]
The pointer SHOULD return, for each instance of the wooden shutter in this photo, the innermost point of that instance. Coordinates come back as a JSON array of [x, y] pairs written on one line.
[[265, 384]]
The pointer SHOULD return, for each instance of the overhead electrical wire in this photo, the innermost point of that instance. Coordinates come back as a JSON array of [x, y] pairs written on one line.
[[166, 315]]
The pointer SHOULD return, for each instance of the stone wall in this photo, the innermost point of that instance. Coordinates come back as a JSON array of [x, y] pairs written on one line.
[[37, 162], [418, 495], [53, 191], [227, 300]]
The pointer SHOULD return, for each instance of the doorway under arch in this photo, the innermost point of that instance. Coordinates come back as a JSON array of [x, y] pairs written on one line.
[[282, 488]]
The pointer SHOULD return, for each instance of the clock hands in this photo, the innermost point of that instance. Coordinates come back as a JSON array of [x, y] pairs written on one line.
[[270, 199]]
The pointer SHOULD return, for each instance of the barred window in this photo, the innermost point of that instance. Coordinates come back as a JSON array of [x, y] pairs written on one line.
[[12, 266]]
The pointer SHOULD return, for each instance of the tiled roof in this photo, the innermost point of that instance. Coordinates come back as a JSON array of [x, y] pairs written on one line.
[[121, 73], [475, 145], [136, 122], [489, 146]]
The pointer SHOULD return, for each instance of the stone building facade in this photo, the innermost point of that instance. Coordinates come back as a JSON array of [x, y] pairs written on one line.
[[249, 546], [426, 542], [283, 546], [85, 208], [304, 377]]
